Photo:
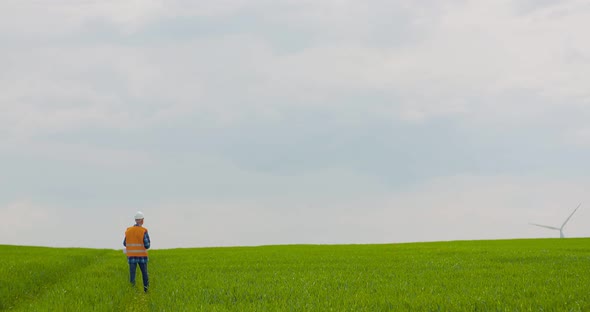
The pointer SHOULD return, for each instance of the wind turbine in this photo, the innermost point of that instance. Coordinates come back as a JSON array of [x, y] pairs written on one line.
[[562, 226]]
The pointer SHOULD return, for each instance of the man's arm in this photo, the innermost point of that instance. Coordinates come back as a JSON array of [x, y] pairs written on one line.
[[146, 240], [125, 241]]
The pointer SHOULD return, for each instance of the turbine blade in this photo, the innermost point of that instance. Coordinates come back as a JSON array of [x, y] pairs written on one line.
[[546, 226], [568, 218]]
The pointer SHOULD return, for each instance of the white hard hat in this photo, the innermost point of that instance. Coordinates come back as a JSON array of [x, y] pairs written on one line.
[[139, 215]]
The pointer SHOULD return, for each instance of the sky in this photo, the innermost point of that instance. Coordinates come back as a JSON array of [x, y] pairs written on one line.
[[263, 122]]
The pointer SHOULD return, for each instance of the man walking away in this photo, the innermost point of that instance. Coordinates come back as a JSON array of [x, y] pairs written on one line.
[[137, 242]]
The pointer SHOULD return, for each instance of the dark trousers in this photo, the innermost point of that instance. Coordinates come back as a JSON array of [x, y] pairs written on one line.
[[144, 274]]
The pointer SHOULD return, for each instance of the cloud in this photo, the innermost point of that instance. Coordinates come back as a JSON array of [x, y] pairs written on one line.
[[342, 116], [237, 207], [473, 55], [470, 56], [32, 223], [22, 222], [65, 17], [446, 208]]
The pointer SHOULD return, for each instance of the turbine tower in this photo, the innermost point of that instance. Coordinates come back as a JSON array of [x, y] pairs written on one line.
[[562, 226]]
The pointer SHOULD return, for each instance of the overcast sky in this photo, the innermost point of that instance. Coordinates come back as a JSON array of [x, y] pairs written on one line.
[[235, 122]]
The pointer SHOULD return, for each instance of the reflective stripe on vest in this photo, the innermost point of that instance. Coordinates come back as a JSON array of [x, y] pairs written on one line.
[[134, 241]]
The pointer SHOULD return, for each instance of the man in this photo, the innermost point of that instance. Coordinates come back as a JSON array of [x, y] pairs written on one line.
[[137, 242]]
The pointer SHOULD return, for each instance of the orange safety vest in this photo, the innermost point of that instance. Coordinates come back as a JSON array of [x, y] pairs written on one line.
[[134, 241]]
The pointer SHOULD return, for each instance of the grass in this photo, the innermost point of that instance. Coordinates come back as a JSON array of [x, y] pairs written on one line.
[[503, 275]]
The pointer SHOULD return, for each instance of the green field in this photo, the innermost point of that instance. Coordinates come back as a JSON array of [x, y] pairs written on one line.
[[502, 275]]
